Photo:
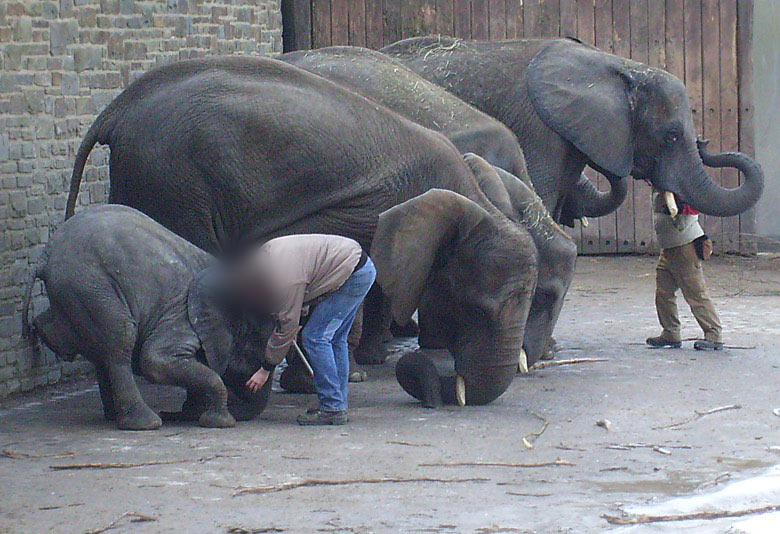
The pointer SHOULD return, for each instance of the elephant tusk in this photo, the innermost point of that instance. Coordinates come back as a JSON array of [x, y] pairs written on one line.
[[584, 222], [522, 364], [460, 390], [671, 203]]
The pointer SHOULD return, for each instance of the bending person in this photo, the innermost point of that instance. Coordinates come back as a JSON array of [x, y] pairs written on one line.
[[326, 275]]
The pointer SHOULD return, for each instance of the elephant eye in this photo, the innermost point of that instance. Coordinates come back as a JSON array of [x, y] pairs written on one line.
[[671, 138]]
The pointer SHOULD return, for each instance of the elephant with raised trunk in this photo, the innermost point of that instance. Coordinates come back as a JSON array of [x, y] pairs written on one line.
[[387, 81], [132, 296], [571, 105], [226, 151]]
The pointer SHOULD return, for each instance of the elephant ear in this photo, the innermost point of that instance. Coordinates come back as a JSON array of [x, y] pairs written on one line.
[[490, 183], [409, 238], [208, 318], [583, 94]]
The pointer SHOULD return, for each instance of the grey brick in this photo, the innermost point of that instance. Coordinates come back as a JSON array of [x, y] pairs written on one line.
[[87, 57], [61, 34]]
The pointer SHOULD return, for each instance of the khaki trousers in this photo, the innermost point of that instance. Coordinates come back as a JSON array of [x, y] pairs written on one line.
[[680, 268]]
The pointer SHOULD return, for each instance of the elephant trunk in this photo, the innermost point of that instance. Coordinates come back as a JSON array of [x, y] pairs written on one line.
[[593, 203], [707, 197], [486, 379]]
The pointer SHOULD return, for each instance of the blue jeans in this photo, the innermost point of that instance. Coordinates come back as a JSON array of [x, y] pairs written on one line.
[[325, 338]]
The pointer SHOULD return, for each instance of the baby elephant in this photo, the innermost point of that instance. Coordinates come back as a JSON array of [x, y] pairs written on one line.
[[132, 296]]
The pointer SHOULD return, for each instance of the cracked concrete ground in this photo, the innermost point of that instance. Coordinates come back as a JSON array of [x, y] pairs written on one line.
[[608, 315]]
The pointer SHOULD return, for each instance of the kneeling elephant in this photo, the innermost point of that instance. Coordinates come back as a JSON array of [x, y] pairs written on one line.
[[132, 296]]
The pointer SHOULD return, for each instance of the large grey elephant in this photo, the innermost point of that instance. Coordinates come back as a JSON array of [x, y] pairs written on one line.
[[225, 151], [387, 81], [571, 105], [130, 295]]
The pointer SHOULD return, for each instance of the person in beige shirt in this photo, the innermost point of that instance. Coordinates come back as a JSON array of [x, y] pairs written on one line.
[[683, 247], [327, 273]]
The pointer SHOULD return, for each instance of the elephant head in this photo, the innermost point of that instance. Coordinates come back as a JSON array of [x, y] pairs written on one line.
[[629, 118], [471, 274], [232, 338], [557, 253]]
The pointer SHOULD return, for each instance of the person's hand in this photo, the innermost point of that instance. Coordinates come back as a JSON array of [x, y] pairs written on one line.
[[257, 380]]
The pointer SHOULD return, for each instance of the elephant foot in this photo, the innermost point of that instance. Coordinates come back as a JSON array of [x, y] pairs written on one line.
[[358, 376], [371, 350], [410, 329], [297, 380], [216, 418], [139, 418]]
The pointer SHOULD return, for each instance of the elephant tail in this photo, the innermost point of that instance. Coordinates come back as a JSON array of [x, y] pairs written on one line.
[[78, 167], [28, 331]]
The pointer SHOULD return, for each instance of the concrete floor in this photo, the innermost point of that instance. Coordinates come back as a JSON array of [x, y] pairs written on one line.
[[608, 315]]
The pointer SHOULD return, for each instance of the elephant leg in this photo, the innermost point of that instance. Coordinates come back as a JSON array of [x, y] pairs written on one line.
[[356, 373], [296, 378], [371, 349], [418, 376], [106, 393], [201, 382], [433, 327], [243, 404], [56, 334], [132, 413]]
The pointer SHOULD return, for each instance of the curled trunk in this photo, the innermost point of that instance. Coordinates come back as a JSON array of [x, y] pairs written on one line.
[[585, 200], [707, 197]]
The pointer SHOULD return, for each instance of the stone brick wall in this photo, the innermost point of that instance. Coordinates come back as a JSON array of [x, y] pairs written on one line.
[[61, 62]]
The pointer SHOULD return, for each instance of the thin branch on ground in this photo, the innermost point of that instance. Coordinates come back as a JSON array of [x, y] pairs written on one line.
[[243, 530], [555, 363], [554, 463], [246, 490], [7, 453], [519, 494], [644, 519], [698, 415], [661, 449], [135, 517], [120, 465], [408, 444]]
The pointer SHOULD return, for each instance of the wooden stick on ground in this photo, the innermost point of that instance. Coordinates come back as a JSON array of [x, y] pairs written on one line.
[[555, 463], [245, 490], [554, 363], [698, 415], [644, 519], [120, 465], [7, 453], [135, 517]]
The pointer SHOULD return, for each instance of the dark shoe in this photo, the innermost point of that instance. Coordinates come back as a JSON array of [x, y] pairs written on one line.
[[706, 344], [659, 341], [323, 418]]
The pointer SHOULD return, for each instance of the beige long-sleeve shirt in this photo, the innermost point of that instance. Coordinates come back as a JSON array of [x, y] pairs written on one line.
[[297, 269], [674, 231]]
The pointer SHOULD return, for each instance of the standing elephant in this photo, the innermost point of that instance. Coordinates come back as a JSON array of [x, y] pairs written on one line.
[[384, 80], [388, 82], [224, 151], [159, 317], [570, 104]]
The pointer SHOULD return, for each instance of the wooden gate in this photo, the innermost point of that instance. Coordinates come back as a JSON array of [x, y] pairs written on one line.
[[706, 43]]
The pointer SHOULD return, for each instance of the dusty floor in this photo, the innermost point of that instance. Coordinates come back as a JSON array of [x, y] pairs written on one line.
[[608, 315]]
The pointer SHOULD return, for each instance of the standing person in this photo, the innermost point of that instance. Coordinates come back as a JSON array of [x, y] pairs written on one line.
[[327, 273], [684, 246]]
